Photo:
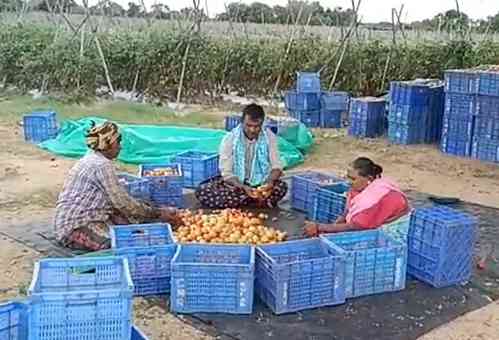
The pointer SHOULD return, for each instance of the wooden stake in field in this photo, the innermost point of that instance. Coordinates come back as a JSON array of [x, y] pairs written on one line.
[[344, 46], [104, 64], [288, 48]]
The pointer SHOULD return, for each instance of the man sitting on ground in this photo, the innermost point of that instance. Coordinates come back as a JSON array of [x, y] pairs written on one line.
[[92, 198], [249, 159]]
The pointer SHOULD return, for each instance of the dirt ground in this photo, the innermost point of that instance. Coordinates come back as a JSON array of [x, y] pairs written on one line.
[[482, 324], [30, 180]]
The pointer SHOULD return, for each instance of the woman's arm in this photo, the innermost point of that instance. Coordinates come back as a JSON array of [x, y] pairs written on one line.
[[336, 228], [314, 229]]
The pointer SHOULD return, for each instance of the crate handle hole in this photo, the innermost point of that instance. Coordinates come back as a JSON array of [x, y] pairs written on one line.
[[83, 270]]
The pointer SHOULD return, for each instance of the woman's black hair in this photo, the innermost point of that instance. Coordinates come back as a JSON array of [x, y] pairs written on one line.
[[367, 168]]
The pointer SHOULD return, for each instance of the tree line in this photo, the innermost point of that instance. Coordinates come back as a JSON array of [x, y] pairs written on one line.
[[296, 11]]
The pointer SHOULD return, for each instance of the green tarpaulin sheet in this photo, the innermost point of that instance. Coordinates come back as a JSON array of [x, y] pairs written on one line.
[[156, 143]]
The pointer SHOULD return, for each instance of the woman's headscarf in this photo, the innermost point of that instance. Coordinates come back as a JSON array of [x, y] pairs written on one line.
[[100, 138]]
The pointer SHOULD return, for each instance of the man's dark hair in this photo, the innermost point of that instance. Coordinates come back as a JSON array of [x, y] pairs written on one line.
[[254, 112]]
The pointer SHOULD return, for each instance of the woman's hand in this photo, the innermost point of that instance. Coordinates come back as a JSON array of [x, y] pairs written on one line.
[[170, 215], [340, 219], [311, 229]]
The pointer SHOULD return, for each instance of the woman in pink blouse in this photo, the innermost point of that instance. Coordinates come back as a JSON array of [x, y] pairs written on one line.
[[373, 200]]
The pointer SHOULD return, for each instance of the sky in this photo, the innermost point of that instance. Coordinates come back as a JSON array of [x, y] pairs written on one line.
[[370, 10]]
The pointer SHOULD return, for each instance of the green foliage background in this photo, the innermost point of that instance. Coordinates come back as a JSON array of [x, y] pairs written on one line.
[[36, 53]]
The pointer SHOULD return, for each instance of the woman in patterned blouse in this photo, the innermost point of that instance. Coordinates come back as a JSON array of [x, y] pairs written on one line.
[[92, 198]]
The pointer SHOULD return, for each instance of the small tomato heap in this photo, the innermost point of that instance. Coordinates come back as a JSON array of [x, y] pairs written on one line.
[[226, 226]]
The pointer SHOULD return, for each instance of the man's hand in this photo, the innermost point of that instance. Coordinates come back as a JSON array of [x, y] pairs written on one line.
[[311, 229], [274, 176]]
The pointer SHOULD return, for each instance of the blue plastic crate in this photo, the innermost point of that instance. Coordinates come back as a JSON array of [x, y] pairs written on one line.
[[137, 334], [335, 101], [139, 188], [460, 105], [165, 190], [304, 187], [398, 229], [40, 126], [297, 275], [461, 81], [456, 145], [486, 128], [410, 115], [81, 298], [367, 117], [485, 150], [301, 101], [14, 321], [149, 267], [488, 83], [213, 279], [232, 121], [406, 134], [141, 235], [458, 126], [414, 93], [330, 119], [330, 202], [416, 111], [367, 108], [375, 262], [311, 119], [440, 246], [308, 82], [149, 249], [487, 106], [366, 128], [197, 167]]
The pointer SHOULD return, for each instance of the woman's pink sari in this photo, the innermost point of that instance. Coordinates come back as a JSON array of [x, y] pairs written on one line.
[[370, 196]]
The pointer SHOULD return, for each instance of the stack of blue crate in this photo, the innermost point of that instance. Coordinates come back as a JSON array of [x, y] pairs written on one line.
[[367, 117], [304, 103], [313, 107], [459, 113], [416, 110], [333, 105], [485, 144]]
